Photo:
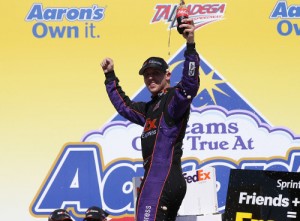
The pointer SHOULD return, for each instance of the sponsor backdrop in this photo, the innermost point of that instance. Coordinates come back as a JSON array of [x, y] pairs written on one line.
[[62, 143]]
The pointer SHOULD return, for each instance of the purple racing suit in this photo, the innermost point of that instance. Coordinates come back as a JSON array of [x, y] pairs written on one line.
[[164, 119]]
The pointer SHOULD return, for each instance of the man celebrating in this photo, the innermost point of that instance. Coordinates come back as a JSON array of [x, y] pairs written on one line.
[[164, 119]]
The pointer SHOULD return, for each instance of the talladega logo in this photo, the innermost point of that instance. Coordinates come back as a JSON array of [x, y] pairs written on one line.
[[202, 14]]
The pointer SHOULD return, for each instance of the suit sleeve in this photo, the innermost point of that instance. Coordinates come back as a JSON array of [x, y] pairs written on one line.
[[188, 87], [132, 111]]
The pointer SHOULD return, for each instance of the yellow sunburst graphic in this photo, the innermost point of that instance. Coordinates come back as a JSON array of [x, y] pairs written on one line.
[[207, 82]]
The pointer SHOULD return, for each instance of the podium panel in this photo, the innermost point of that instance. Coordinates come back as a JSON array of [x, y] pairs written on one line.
[[201, 194], [200, 200], [263, 195]]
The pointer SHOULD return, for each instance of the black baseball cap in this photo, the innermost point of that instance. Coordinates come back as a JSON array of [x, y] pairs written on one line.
[[95, 213], [154, 62], [59, 215]]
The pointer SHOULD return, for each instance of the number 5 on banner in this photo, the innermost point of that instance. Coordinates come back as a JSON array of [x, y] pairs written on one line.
[[241, 216]]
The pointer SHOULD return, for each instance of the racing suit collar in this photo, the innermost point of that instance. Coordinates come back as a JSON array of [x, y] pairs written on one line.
[[160, 94]]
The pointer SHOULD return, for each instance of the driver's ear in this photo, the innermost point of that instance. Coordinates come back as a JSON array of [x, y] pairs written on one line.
[[168, 75]]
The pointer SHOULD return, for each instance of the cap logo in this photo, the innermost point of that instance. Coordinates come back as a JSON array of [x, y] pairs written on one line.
[[155, 62]]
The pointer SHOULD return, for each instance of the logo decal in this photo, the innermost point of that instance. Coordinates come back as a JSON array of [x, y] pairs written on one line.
[[202, 14], [192, 67]]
